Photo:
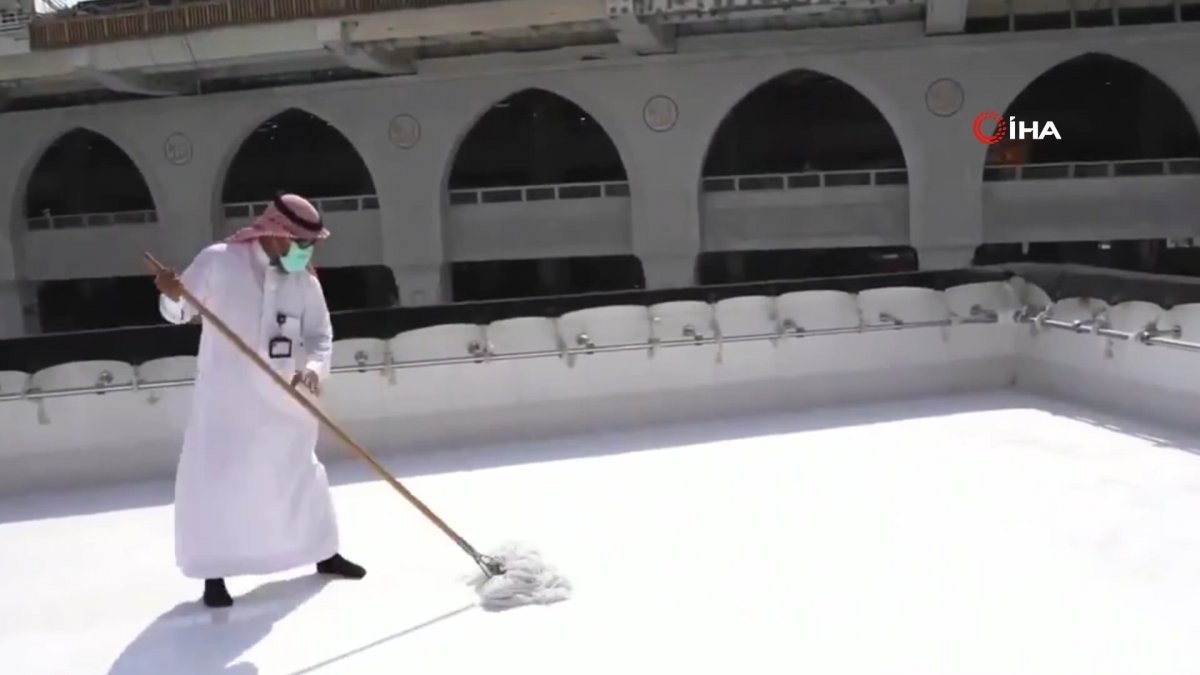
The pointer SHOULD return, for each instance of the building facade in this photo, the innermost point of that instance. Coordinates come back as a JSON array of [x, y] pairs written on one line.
[[668, 202]]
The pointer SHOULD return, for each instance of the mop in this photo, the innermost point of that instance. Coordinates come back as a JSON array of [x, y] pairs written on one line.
[[511, 576]]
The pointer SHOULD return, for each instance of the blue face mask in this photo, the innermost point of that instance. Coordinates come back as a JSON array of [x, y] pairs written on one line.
[[296, 258]]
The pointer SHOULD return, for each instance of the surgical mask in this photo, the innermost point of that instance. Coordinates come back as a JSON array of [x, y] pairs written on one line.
[[296, 258]]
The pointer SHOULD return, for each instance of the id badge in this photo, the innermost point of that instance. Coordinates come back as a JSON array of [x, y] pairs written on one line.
[[280, 348]]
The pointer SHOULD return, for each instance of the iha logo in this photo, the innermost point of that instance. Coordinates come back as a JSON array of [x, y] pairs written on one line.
[[1011, 128]]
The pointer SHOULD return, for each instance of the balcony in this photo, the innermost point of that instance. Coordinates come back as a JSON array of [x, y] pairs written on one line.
[[140, 21]]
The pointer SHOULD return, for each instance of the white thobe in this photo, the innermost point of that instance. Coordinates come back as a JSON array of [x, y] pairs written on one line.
[[251, 497]]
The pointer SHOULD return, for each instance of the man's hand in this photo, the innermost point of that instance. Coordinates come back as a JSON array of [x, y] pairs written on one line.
[[309, 379], [168, 284]]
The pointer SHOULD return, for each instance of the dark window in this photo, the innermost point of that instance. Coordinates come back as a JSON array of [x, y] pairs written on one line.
[[500, 279], [734, 267], [89, 304], [84, 172], [1140, 255], [1105, 109], [358, 287], [535, 137], [802, 121], [296, 151]]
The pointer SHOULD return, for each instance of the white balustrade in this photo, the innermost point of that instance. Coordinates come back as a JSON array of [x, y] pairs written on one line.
[[630, 364]]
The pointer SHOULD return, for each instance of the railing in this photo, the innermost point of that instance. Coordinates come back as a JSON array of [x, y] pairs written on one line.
[[1124, 168], [477, 352], [13, 21], [1033, 17], [80, 220], [805, 180], [323, 204], [71, 30], [538, 193], [743, 183], [1150, 335]]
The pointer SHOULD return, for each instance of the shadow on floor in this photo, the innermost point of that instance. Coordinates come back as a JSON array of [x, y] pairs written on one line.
[[190, 639], [394, 636]]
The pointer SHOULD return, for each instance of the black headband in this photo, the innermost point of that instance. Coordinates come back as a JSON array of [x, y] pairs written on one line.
[[291, 215]]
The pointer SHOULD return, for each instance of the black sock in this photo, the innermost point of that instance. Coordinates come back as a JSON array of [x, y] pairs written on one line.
[[215, 593], [338, 566]]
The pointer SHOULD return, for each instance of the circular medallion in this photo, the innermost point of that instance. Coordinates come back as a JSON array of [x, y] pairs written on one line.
[[178, 149], [944, 97], [404, 131], [660, 113]]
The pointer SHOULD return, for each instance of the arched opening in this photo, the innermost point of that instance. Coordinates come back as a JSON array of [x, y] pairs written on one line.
[[1105, 109], [82, 173], [802, 131], [84, 180], [1115, 119], [535, 137], [296, 151], [538, 147]]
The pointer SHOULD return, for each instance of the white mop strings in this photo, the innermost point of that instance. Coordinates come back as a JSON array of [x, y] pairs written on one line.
[[527, 580]]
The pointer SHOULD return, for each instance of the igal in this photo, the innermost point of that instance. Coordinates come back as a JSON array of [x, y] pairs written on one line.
[[1037, 130]]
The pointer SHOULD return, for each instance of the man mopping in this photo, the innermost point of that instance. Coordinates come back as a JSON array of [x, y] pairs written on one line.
[[251, 497]]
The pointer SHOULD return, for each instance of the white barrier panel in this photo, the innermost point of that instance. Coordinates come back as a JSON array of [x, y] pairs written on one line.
[[600, 375], [612, 366], [906, 306], [171, 404], [989, 345], [1131, 359], [531, 381], [1028, 293], [434, 389], [811, 312], [739, 317], [678, 367], [359, 388]]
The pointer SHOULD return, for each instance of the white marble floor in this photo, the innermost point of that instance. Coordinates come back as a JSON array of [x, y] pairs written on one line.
[[984, 535]]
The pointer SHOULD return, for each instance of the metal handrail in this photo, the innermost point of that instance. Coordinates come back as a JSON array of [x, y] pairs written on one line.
[[1150, 336], [802, 180], [1126, 168], [345, 203], [74, 28], [72, 221], [539, 192], [1035, 316], [739, 183], [479, 353]]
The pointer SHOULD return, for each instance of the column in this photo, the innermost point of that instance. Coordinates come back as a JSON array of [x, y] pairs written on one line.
[[18, 306], [411, 211], [664, 177]]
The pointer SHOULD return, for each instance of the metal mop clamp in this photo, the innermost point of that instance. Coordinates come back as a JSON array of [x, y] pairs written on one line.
[[491, 566]]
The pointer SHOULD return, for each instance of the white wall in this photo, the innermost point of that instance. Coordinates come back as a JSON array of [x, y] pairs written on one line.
[[545, 229], [805, 218], [122, 434], [1092, 209]]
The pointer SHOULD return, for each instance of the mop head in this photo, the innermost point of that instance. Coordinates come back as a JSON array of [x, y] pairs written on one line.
[[527, 580]]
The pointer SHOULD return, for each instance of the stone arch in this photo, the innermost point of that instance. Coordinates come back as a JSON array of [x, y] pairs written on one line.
[[1106, 108], [802, 120], [270, 157], [524, 130], [533, 137], [83, 171]]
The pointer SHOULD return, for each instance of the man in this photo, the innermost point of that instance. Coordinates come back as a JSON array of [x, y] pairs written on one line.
[[250, 495]]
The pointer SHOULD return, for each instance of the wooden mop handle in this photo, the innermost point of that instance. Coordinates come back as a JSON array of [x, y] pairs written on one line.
[[215, 321]]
